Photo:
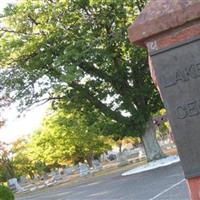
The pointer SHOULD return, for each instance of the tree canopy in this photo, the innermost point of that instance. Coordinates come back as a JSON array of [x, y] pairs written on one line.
[[6, 164], [77, 51], [67, 136], [22, 160]]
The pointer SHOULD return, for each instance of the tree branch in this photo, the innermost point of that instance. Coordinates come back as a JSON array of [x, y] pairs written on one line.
[[99, 105], [140, 4], [94, 71], [33, 20], [17, 32]]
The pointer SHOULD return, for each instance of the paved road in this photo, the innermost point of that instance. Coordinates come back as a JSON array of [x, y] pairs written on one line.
[[160, 184]]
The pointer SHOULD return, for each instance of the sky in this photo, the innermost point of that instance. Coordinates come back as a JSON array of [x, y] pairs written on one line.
[[3, 3], [18, 127]]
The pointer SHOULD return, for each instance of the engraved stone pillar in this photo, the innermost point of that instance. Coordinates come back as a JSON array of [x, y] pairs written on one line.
[[170, 30]]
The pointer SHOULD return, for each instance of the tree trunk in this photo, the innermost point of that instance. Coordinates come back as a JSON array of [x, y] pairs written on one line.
[[119, 143], [120, 148], [89, 161], [31, 175], [151, 146]]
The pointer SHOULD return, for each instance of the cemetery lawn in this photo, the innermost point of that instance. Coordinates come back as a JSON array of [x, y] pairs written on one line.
[[75, 180], [166, 183]]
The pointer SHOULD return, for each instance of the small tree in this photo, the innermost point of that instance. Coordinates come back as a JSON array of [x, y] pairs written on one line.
[[6, 164], [66, 136], [6, 193], [21, 161]]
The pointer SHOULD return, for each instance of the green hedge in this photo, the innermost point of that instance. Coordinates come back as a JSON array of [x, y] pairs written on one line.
[[6, 193]]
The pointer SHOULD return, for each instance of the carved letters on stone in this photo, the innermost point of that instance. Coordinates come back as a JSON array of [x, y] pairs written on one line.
[[181, 75], [178, 73], [187, 109]]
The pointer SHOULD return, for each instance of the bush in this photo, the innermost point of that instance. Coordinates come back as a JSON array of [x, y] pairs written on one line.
[[6, 193]]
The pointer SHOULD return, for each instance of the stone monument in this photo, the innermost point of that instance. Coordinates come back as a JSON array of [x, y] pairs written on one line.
[[170, 30]]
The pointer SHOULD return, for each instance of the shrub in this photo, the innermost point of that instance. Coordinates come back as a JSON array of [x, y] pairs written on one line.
[[6, 193]]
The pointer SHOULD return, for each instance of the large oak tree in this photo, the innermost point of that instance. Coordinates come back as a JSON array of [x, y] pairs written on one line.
[[77, 51]]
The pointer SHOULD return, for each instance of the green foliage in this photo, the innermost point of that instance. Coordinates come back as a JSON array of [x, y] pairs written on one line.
[[78, 52], [41, 167], [6, 164], [66, 136], [6, 193], [21, 160]]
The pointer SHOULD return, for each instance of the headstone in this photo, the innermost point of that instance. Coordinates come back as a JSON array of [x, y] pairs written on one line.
[[23, 180], [13, 184], [141, 154], [68, 171], [56, 175], [122, 159], [61, 171], [53, 173], [84, 170], [76, 169], [97, 165]]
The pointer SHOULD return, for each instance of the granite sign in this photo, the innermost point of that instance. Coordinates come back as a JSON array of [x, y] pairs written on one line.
[[178, 74]]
